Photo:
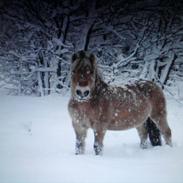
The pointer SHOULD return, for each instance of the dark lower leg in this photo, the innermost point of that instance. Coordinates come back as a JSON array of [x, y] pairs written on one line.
[[98, 143]]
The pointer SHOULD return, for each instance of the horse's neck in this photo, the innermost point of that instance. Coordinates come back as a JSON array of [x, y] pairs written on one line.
[[100, 84]]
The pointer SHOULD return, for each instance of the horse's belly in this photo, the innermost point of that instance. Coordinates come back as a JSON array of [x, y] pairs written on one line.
[[125, 124], [127, 118]]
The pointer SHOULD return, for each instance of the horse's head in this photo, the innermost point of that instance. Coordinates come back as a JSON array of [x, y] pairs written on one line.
[[83, 69]]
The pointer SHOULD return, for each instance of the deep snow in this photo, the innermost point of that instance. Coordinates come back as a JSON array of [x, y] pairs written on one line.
[[37, 145]]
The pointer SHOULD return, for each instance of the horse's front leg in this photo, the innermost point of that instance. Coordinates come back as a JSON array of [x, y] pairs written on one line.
[[98, 141], [81, 133]]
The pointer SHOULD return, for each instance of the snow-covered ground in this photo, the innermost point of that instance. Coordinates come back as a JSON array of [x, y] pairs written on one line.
[[37, 146]]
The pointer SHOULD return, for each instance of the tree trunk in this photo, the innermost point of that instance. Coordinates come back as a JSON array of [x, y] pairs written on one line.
[[40, 84], [87, 28], [167, 68]]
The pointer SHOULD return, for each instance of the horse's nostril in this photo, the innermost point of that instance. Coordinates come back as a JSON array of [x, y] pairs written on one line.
[[86, 93], [78, 92]]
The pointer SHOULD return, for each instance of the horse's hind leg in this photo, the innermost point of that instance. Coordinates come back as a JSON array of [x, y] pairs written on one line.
[[142, 131], [161, 121]]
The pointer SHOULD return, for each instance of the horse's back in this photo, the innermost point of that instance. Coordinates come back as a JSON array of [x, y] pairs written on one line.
[[154, 94]]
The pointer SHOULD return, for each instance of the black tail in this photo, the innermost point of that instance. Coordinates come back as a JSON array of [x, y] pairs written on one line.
[[153, 132]]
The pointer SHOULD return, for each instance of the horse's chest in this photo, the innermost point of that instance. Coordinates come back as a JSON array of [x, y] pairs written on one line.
[[85, 114], [93, 113]]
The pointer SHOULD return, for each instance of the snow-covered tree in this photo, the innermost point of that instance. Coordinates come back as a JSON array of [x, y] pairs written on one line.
[[131, 39]]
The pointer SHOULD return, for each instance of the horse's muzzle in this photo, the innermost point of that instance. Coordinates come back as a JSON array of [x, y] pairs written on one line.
[[82, 93]]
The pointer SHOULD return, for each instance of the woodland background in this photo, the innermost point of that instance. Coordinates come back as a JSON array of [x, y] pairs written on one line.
[[131, 40]]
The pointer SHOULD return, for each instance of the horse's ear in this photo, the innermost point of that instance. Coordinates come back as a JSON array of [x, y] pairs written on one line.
[[92, 58], [74, 57]]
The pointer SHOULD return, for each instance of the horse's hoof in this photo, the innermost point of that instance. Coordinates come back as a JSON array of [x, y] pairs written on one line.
[[98, 150], [98, 153], [144, 145], [169, 143], [79, 151]]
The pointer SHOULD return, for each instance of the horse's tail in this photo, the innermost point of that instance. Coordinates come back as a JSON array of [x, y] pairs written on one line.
[[153, 132]]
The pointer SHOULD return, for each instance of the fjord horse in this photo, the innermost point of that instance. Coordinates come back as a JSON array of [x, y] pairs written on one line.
[[97, 105]]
